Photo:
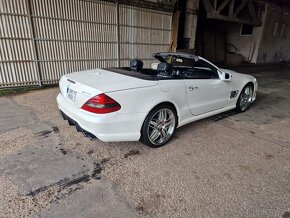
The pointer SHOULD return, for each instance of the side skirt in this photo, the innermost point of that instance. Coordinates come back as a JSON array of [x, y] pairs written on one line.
[[202, 116]]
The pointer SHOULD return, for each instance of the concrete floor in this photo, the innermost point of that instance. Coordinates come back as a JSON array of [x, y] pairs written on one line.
[[229, 165]]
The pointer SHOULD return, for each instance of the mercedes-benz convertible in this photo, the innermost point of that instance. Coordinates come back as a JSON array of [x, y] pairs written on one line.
[[148, 104]]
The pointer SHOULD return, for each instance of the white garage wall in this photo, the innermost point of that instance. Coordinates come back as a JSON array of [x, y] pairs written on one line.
[[42, 40]]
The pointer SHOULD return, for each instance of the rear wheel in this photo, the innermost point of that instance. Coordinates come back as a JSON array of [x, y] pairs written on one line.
[[159, 126], [245, 98]]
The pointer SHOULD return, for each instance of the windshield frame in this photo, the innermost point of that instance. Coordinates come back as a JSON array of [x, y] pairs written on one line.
[[161, 56]]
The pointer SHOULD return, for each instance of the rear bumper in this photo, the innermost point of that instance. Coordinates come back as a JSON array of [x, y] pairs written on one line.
[[106, 127], [72, 122]]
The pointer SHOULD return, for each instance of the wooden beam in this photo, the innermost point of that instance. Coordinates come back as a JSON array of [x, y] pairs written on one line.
[[231, 8], [222, 5], [208, 6], [241, 6], [214, 5], [232, 19], [232, 16], [174, 32], [252, 10]]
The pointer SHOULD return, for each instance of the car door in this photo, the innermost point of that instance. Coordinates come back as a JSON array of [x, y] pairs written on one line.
[[206, 93]]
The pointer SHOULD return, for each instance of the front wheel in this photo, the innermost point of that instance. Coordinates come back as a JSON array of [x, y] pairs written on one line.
[[159, 126], [245, 98]]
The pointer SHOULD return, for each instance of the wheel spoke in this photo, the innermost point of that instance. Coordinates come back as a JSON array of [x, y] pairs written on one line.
[[169, 122], [162, 115], [154, 135], [163, 134], [153, 124]]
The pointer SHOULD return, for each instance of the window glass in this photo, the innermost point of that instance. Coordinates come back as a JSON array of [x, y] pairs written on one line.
[[246, 30], [191, 69], [179, 61]]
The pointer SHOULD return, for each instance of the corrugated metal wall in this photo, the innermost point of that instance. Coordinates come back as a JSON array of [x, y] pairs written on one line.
[[143, 32], [42, 40]]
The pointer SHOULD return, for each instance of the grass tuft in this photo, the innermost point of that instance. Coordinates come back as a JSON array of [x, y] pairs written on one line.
[[21, 90]]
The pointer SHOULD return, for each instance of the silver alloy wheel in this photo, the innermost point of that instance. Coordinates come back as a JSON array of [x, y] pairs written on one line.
[[246, 98], [161, 126]]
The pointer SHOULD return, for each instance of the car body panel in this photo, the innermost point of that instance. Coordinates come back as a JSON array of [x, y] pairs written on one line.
[[138, 97], [108, 127], [238, 82], [87, 84], [207, 95], [106, 81]]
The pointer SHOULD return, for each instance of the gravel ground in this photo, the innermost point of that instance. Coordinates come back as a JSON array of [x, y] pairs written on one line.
[[230, 165], [13, 140], [15, 204], [12, 203]]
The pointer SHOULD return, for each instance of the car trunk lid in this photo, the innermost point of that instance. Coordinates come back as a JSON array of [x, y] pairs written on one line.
[[79, 87]]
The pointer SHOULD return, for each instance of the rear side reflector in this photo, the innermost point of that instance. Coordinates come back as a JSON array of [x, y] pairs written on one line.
[[101, 104]]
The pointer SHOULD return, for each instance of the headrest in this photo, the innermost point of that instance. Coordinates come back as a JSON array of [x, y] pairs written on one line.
[[136, 65], [164, 67]]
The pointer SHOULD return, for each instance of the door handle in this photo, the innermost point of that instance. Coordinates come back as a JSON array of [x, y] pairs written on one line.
[[191, 88]]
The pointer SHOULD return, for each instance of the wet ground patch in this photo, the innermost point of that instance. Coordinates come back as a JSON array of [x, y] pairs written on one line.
[[63, 151], [71, 184], [45, 133], [132, 153]]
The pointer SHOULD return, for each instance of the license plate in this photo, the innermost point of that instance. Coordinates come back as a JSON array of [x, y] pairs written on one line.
[[71, 94]]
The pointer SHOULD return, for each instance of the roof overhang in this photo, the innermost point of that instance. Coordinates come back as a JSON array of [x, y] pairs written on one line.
[[158, 5]]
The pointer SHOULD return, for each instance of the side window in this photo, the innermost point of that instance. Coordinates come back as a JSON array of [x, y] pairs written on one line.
[[205, 70]]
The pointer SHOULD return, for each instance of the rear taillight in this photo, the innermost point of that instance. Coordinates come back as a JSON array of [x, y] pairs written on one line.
[[101, 104]]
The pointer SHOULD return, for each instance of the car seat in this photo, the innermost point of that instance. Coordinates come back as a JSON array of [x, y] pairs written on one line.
[[136, 65], [164, 70]]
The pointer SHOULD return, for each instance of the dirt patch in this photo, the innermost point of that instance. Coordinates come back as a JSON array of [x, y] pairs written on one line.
[[90, 152], [268, 156], [63, 151], [14, 140], [14, 203]]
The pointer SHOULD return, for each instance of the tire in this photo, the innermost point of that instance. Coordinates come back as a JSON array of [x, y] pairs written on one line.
[[159, 126], [245, 99]]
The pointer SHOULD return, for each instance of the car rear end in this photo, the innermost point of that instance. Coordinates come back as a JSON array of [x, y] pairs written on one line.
[[93, 111]]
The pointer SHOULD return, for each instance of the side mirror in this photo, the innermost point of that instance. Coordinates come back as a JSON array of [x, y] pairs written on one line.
[[226, 77]]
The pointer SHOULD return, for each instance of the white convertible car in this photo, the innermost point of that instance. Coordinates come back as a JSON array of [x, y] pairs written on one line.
[[148, 104]]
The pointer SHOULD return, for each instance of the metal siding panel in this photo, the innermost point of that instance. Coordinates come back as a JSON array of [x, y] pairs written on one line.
[[75, 35], [15, 49], [143, 32]]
